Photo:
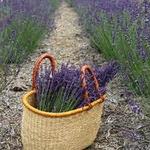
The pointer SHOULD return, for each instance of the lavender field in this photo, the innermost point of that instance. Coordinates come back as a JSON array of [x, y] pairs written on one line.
[[22, 25], [112, 36], [121, 31]]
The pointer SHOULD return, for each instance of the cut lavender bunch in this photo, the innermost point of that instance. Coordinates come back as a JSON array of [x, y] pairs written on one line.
[[62, 91]]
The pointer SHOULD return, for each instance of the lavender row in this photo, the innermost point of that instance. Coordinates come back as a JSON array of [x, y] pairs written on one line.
[[121, 31], [23, 23]]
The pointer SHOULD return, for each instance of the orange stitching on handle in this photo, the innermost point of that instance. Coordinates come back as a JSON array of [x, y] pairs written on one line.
[[37, 66]]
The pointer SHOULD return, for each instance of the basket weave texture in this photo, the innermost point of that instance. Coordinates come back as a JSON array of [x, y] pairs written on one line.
[[72, 132]]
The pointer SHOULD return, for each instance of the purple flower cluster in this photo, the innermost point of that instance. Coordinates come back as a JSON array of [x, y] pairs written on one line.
[[23, 24], [110, 7], [37, 10], [68, 78], [131, 134], [92, 11], [120, 29]]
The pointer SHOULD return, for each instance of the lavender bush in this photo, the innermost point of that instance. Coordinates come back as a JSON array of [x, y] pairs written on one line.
[[23, 24], [62, 91], [121, 31]]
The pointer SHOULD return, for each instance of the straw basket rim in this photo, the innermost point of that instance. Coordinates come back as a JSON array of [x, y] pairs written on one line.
[[57, 115]]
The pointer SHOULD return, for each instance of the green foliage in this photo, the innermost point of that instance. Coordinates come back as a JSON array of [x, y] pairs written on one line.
[[53, 102], [21, 32], [19, 40], [55, 3], [123, 48], [121, 32]]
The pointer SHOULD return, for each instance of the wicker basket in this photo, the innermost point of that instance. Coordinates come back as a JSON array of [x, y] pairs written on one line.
[[72, 130]]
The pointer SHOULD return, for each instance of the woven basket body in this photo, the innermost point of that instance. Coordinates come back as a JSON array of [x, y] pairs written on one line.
[[74, 131]]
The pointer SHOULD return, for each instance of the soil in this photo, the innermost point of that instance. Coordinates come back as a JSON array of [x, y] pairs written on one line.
[[121, 129]]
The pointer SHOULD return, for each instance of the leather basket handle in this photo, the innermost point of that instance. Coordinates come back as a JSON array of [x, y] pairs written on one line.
[[38, 64], [84, 69]]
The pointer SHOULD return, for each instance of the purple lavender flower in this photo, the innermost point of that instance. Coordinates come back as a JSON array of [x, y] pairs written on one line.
[[91, 12], [22, 25], [121, 30], [37, 10], [131, 135], [135, 107], [65, 85]]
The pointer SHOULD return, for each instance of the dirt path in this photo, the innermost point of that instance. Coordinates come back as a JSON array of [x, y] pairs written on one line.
[[11, 107], [68, 43]]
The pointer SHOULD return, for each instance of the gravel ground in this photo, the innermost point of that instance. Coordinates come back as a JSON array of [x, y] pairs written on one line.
[[121, 128]]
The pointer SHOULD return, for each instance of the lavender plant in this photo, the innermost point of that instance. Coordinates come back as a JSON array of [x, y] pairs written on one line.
[[62, 91], [22, 25], [121, 31]]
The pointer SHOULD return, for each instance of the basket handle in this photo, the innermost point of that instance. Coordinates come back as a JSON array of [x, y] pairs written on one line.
[[84, 84], [38, 64]]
